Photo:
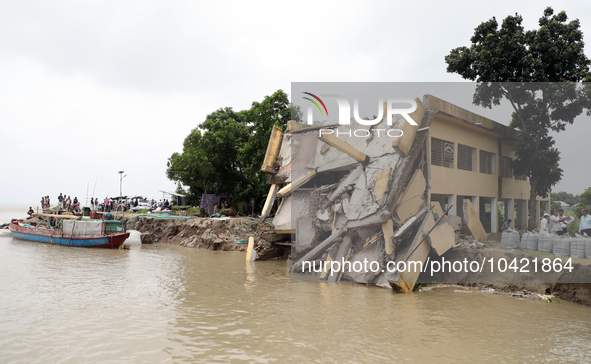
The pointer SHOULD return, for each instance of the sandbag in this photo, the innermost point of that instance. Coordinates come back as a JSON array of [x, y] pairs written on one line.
[[531, 242], [510, 239], [546, 242], [562, 246], [577, 246], [587, 247], [524, 239], [504, 238]]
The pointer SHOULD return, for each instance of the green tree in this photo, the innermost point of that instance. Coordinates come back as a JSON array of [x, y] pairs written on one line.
[[224, 154], [274, 110], [584, 202], [535, 71]]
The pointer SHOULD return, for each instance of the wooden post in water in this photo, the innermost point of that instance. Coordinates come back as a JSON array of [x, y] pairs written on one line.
[[250, 252]]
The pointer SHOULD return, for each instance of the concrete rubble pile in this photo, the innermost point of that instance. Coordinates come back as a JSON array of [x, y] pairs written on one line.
[[350, 198]]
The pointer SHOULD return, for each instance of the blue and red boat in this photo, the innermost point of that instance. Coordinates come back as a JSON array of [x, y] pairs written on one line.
[[71, 231]]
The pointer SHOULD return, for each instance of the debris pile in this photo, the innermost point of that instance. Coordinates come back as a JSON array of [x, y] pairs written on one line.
[[354, 199]]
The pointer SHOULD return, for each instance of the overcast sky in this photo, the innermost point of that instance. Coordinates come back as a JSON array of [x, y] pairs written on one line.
[[91, 88]]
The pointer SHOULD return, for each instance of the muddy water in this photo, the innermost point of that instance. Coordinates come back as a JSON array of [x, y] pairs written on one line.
[[178, 305]]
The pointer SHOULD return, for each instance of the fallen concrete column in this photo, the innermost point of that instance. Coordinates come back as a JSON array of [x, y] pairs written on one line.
[[344, 147], [272, 151]]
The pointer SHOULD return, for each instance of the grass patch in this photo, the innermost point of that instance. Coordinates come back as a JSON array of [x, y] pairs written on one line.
[[193, 211]]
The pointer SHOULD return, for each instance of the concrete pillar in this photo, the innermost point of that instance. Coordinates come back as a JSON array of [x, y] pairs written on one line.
[[494, 214], [451, 200], [546, 207], [509, 211]]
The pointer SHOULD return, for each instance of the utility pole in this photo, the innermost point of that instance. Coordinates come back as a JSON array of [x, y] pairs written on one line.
[[121, 176]]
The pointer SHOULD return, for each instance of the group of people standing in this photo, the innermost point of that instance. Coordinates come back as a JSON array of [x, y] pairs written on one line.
[[45, 204], [557, 223], [66, 203]]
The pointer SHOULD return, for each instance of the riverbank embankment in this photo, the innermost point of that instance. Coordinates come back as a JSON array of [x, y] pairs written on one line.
[[227, 234]]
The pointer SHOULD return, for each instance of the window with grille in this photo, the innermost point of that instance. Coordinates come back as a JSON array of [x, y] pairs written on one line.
[[466, 158], [487, 162], [505, 167], [442, 153]]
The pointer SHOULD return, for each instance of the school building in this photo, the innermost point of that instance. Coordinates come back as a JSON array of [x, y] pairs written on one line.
[[470, 157]]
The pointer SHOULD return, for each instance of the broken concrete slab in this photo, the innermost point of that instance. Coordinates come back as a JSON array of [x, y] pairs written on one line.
[[413, 198], [408, 278], [472, 221], [442, 238], [405, 142], [341, 255], [306, 234]]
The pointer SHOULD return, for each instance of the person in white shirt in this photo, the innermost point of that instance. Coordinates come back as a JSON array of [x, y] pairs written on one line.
[[555, 221], [544, 223], [563, 224], [585, 224]]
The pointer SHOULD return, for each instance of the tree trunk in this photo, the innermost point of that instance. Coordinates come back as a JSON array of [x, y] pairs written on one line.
[[532, 221]]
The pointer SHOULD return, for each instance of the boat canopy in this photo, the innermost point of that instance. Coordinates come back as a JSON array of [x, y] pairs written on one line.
[[82, 227]]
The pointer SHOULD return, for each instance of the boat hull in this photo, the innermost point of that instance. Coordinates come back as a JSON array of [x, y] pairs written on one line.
[[47, 236]]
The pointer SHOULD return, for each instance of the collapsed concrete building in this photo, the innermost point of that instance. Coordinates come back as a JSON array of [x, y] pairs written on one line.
[[362, 193], [350, 198]]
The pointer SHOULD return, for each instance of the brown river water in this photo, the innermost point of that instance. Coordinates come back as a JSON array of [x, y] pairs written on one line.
[[169, 304]]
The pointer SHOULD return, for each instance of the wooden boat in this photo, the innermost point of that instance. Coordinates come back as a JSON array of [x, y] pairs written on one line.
[[70, 230]]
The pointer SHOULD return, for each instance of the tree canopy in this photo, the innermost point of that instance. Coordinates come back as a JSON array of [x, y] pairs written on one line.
[[224, 154], [536, 71]]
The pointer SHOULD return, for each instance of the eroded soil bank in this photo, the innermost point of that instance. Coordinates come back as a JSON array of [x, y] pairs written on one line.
[[213, 234]]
